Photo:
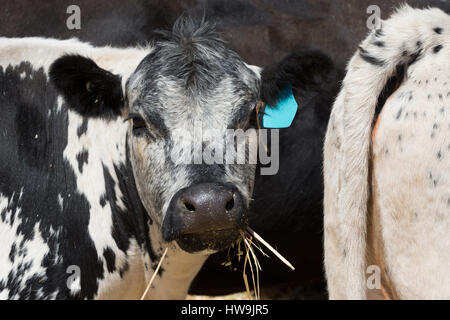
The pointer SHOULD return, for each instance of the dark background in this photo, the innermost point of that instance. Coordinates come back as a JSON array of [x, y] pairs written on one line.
[[261, 31]]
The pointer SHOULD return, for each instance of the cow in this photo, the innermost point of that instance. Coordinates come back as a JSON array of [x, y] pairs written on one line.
[[386, 164], [93, 189]]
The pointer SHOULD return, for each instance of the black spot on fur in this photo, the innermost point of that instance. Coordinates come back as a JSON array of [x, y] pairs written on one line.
[[438, 48], [12, 253], [82, 159], [103, 201], [438, 30], [110, 259], [82, 128], [370, 59]]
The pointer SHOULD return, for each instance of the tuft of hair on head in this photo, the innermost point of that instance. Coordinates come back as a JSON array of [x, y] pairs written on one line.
[[187, 31], [194, 53]]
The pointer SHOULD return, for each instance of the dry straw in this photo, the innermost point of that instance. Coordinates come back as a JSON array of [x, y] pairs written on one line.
[[254, 266], [154, 274], [268, 246]]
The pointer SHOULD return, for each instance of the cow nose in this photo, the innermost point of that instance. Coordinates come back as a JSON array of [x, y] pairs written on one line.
[[203, 208], [204, 200]]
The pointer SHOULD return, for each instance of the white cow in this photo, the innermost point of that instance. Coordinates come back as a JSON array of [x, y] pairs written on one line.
[[387, 186]]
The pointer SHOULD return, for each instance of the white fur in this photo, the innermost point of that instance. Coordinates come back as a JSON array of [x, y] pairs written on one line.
[[416, 253], [35, 248]]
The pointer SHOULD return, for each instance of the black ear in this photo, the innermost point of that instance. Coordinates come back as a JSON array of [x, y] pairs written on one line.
[[87, 88], [308, 71]]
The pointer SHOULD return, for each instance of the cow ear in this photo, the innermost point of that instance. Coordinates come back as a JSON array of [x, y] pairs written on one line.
[[88, 89], [306, 71]]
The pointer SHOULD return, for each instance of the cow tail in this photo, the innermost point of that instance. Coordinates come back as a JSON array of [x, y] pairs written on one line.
[[399, 41]]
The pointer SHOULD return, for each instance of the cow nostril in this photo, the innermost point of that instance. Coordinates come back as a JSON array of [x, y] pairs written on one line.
[[230, 204], [189, 207]]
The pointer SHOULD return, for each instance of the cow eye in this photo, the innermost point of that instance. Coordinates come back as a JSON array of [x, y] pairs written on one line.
[[139, 124]]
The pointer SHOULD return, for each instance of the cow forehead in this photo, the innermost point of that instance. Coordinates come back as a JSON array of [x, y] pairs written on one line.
[[192, 75], [215, 105], [177, 108]]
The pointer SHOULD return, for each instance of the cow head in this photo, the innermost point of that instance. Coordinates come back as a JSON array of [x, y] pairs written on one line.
[[186, 102]]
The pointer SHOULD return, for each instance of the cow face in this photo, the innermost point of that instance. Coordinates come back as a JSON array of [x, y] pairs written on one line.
[[190, 106], [187, 100]]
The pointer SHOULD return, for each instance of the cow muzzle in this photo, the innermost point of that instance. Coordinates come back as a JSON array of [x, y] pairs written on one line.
[[206, 216]]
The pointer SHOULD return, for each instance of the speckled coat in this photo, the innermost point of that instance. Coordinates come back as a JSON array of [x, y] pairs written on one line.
[[387, 186]]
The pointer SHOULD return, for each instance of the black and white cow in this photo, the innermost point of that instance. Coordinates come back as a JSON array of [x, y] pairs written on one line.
[[89, 193]]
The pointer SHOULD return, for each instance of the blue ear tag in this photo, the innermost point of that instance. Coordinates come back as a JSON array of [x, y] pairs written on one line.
[[281, 115]]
